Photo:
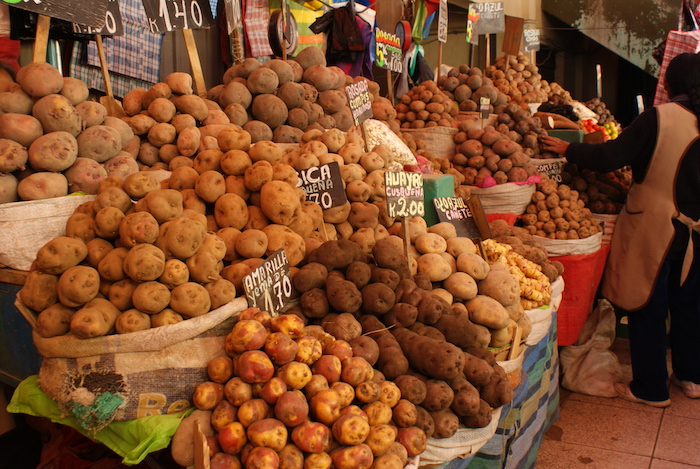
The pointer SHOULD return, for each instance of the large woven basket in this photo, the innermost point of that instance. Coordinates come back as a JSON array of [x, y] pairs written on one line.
[[439, 140]]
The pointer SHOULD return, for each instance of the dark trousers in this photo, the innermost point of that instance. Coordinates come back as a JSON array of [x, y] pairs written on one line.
[[647, 331]]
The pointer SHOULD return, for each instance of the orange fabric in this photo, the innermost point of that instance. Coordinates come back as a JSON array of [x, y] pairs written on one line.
[[582, 275]]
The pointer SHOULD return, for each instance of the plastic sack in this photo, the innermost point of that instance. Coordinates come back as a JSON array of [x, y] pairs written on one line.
[[589, 366]]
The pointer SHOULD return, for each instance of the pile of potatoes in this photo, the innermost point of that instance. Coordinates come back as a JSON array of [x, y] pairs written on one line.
[[54, 141], [601, 193], [557, 211], [484, 153], [467, 85], [291, 395], [424, 106]]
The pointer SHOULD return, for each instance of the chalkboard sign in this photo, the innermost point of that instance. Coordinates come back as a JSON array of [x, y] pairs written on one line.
[[454, 210], [492, 18], [388, 51], [174, 15], [112, 25], [551, 168], [359, 101], [76, 11], [404, 194], [323, 185], [532, 39], [442, 21], [269, 286], [513, 35]]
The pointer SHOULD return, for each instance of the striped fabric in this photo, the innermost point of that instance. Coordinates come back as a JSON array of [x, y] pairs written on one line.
[[304, 18], [256, 18], [524, 421]]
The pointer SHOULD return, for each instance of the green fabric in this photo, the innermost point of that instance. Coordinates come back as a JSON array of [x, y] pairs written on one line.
[[132, 440]]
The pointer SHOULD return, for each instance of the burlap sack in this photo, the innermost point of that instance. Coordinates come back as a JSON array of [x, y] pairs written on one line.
[[124, 377]]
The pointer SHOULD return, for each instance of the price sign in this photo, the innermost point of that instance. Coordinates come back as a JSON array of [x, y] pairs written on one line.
[[388, 53], [173, 15], [531, 38], [492, 19], [112, 25], [552, 169], [359, 101], [455, 211], [485, 107], [75, 11], [404, 194], [323, 185], [442, 22], [513, 35], [473, 25], [269, 286]]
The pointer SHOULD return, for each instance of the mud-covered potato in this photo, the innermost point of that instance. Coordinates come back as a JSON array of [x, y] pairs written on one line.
[[59, 254], [96, 318]]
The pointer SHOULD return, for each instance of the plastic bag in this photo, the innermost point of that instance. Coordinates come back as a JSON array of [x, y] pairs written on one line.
[[589, 366]]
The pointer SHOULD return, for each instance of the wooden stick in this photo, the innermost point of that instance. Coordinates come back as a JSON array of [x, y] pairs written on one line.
[[515, 345], [439, 60], [195, 63], [103, 65], [41, 40], [488, 49], [407, 242], [390, 86]]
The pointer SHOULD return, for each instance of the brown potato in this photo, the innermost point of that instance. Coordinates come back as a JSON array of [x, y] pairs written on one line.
[[190, 299], [151, 297], [165, 318], [96, 318], [132, 320], [59, 254], [144, 262], [231, 210]]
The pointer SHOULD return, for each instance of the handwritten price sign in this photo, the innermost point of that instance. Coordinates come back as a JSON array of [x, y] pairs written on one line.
[[75, 11], [388, 51], [172, 15], [269, 286]]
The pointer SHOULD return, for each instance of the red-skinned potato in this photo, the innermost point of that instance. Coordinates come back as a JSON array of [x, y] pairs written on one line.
[[328, 366], [261, 457], [269, 432], [350, 429], [345, 391], [352, 457], [271, 390], [413, 439], [292, 408], [289, 324], [291, 457], [254, 366], [280, 348], [312, 437], [309, 349], [295, 374], [232, 438], [207, 395], [339, 348], [252, 411], [325, 406], [245, 335], [238, 391], [223, 414]]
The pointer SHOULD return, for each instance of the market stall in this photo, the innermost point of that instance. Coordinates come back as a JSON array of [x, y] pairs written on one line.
[[407, 249]]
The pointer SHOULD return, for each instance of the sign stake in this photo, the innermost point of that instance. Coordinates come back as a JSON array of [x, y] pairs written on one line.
[[41, 40], [195, 63]]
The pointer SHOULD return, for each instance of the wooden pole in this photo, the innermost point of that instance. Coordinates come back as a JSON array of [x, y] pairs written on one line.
[[390, 86], [41, 40], [439, 61], [195, 63]]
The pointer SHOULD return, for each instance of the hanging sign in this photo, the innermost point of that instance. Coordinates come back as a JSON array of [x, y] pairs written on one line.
[[388, 53], [91, 13], [112, 23], [473, 25], [442, 22], [359, 101], [323, 185], [404, 194], [491, 18], [173, 15], [269, 286], [531, 38]]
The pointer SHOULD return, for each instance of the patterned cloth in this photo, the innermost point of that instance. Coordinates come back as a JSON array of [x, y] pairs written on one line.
[[304, 18], [255, 22], [133, 59], [677, 43]]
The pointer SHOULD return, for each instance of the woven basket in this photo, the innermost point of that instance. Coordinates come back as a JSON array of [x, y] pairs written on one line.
[[505, 198], [439, 140]]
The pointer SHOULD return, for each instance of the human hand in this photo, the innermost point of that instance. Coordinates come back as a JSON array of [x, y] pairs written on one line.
[[555, 145]]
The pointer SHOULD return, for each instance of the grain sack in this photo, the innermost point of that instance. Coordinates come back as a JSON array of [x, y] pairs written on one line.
[[439, 140], [123, 377]]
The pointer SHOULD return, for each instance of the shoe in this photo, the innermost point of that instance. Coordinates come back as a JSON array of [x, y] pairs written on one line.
[[689, 388], [624, 392]]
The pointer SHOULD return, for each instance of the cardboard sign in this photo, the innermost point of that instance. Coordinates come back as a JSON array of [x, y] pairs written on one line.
[[388, 54], [112, 26], [173, 15], [473, 25], [323, 185], [455, 211], [359, 101], [269, 286], [491, 17], [513, 35], [531, 38], [404, 194], [552, 169], [75, 11], [442, 22], [485, 107]]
